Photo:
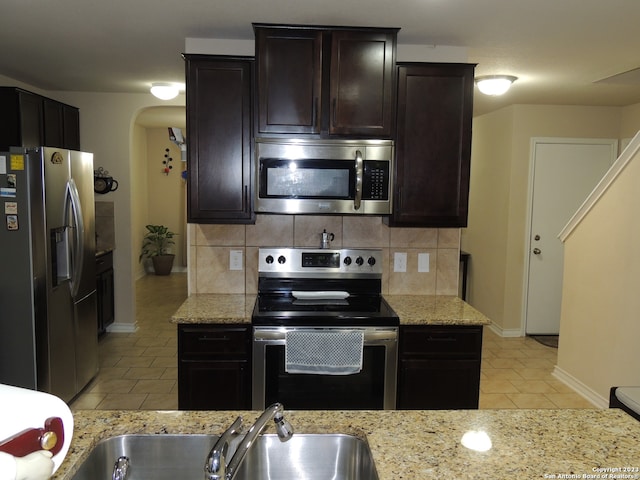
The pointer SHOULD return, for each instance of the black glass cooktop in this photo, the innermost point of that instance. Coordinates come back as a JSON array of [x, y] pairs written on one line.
[[355, 310]]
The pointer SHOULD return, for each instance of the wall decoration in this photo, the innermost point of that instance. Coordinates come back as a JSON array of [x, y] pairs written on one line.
[[103, 182], [167, 162]]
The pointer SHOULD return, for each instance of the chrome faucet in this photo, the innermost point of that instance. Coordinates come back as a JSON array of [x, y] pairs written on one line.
[[216, 467]]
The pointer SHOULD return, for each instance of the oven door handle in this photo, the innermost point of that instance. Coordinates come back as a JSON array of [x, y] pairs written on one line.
[[359, 173], [370, 336]]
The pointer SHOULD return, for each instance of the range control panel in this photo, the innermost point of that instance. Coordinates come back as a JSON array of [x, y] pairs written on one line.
[[320, 262]]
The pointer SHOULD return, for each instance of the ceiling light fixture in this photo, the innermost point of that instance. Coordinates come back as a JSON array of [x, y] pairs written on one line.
[[495, 84], [164, 91]]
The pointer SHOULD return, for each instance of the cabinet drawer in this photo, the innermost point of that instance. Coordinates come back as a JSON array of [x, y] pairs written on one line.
[[441, 342], [104, 263], [213, 341]]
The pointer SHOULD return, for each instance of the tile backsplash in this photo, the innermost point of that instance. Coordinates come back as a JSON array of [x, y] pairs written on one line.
[[105, 226], [210, 247]]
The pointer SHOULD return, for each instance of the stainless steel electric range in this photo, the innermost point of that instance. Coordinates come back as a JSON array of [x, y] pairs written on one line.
[[331, 299]]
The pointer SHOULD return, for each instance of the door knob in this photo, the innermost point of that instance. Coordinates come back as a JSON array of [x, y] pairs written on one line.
[[537, 251]]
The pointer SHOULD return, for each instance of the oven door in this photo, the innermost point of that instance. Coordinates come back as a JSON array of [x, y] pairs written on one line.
[[373, 388]]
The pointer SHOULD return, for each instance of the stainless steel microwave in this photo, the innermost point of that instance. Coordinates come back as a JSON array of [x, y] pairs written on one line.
[[345, 177]]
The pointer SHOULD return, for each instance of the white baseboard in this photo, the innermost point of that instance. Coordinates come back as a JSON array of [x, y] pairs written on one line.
[[580, 388], [151, 272], [505, 332], [122, 327]]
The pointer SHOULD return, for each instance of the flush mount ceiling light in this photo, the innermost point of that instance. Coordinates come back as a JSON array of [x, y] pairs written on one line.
[[495, 84], [164, 91]]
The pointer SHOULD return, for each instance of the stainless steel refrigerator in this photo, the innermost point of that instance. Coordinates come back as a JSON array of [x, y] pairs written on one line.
[[48, 325]]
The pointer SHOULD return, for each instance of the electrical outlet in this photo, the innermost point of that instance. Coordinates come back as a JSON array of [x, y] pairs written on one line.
[[235, 260], [423, 262], [400, 262]]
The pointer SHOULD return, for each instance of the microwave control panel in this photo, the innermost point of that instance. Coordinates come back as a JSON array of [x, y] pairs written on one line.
[[375, 183]]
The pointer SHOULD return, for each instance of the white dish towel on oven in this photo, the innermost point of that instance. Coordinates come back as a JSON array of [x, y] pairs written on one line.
[[324, 352]]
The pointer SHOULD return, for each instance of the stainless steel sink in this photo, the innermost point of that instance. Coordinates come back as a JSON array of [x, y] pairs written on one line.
[[304, 456]]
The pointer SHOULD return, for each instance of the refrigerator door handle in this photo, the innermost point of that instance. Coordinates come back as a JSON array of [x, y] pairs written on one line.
[[77, 225]]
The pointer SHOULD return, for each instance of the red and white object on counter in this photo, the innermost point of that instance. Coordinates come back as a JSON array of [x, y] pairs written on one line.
[[32, 421]]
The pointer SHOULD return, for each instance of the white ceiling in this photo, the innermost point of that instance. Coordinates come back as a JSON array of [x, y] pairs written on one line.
[[559, 49]]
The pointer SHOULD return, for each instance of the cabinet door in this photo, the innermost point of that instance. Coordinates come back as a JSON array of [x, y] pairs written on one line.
[[219, 139], [439, 367], [61, 125], [425, 384], [21, 119], [289, 78], [433, 145], [214, 385], [31, 121], [362, 83], [71, 134], [53, 124], [214, 367], [106, 309]]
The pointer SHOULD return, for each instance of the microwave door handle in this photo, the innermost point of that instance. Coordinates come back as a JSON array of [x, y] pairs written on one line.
[[359, 173]]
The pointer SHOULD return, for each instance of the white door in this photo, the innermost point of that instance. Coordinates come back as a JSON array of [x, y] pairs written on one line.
[[564, 172]]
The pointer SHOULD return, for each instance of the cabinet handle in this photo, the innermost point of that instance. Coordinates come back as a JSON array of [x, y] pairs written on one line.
[[333, 112], [213, 339], [314, 113], [442, 339], [245, 200]]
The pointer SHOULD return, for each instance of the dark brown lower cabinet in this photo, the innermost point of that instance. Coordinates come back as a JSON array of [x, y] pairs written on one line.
[[105, 291], [214, 367], [439, 367]]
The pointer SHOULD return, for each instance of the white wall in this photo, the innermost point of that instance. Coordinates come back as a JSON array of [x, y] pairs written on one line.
[[600, 321], [107, 129], [166, 193], [496, 234]]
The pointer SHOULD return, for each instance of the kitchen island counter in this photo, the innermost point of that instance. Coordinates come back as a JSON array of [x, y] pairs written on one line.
[[412, 310], [215, 309], [435, 310], [417, 445]]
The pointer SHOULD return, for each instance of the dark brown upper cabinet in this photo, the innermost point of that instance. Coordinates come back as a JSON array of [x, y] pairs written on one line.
[[61, 125], [31, 120], [433, 145], [289, 79], [325, 81], [219, 138]]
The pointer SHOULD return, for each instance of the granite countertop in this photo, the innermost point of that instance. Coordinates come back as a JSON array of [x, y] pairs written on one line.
[[412, 309], [415, 445], [215, 308], [435, 310]]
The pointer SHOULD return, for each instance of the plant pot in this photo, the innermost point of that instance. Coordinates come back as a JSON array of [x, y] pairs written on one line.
[[162, 264]]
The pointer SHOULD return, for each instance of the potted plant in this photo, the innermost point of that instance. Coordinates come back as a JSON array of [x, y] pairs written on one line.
[[156, 246]]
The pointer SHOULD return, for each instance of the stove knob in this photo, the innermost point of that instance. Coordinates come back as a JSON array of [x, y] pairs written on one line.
[[347, 260], [371, 261], [359, 261], [281, 259], [269, 259]]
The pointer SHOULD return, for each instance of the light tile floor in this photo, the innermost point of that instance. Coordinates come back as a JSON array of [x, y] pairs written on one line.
[[516, 373], [139, 370]]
